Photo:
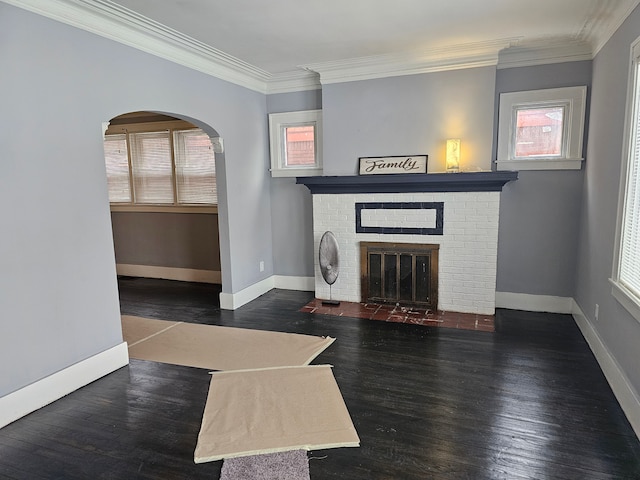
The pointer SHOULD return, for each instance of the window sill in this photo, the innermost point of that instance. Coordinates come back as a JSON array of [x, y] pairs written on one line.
[[296, 172], [165, 208], [540, 164], [625, 298]]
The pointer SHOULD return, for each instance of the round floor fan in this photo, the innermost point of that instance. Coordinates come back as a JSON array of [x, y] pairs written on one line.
[[329, 262]]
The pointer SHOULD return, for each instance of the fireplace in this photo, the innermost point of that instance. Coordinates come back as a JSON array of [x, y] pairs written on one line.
[[457, 213], [404, 274]]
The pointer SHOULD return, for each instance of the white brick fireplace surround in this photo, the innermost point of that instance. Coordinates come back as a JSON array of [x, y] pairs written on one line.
[[459, 212]]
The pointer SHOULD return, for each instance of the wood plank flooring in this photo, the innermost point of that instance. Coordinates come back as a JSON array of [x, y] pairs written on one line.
[[525, 402]]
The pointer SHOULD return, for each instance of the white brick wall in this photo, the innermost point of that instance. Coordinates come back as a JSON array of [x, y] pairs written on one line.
[[468, 246]]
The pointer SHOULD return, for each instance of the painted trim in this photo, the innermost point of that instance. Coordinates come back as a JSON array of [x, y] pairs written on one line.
[[232, 301], [609, 20], [191, 209], [543, 54], [622, 389], [110, 20], [534, 303], [429, 182], [304, 284], [294, 81], [451, 57], [28, 399], [572, 100], [278, 123], [540, 164], [625, 298], [169, 273], [120, 24], [435, 230]]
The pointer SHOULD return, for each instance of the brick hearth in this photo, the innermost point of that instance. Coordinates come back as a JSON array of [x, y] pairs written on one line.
[[415, 316]]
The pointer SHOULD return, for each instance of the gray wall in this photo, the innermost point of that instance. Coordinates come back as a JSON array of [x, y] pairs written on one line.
[[59, 84], [416, 114], [409, 115], [179, 240], [618, 330], [393, 116], [291, 206], [540, 212]]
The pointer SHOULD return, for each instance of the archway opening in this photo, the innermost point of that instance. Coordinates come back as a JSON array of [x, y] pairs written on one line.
[[161, 171]]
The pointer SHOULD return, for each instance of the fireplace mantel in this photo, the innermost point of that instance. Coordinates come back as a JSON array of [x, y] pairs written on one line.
[[459, 212], [430, 182]]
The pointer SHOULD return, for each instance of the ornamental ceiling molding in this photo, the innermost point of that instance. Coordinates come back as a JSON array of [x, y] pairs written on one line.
[[110, 20], [545, 52], [605, 21], [454, 57]]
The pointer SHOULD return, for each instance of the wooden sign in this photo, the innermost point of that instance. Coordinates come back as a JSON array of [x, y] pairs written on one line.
[[392, 165]]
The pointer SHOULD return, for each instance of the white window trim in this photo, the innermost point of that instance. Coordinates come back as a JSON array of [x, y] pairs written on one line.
[[277, 123], [625, 297], [572, 98], [141, 208]]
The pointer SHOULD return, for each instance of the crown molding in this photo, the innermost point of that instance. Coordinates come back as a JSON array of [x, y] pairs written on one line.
[[112, 21], [294, 81], [454, 57], [544, 53], [606, 21]]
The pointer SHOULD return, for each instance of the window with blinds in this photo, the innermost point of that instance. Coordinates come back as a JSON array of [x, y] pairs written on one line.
[[169, 167], [195, 167], [630, 245], [626, 279], [117, 162], [151, 168]]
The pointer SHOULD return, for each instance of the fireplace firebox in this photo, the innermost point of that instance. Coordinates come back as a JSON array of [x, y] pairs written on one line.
[[399, 273]]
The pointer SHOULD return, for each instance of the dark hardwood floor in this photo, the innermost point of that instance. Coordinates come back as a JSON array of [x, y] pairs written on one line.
[[526, 402]]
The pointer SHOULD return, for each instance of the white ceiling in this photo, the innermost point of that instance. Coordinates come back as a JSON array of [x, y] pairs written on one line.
[[277, 43]]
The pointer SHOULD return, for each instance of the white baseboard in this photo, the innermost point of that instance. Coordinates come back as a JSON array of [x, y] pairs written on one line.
[[534, 303], [618, 381], [28, 399], [169, 273], [231, 301], [305, 284]]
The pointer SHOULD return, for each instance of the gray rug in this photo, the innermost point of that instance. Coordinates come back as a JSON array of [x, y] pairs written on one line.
[[292, 465]]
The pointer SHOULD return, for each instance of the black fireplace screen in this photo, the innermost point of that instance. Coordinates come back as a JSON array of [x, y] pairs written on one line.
[[402, 273]]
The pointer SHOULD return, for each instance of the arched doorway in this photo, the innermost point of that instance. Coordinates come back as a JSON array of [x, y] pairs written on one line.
[[163, 201]]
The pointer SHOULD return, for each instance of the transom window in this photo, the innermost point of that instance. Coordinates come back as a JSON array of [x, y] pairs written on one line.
[[296, 143], [539, 132], [160, 164], [300, 146], [541, 129]]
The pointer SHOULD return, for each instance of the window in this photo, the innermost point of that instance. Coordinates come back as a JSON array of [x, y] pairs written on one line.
[[296, 143], [539, 132], [195, 168], [168, 167], [151, 168], [117, 162], [541, 129], [626, 270]]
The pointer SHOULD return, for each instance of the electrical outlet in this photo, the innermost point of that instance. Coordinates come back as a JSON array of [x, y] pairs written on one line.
[[261, 265], [597, 311]]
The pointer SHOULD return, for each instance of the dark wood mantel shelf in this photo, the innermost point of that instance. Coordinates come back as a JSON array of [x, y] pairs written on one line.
[[430, 182]]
